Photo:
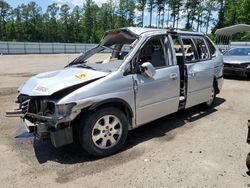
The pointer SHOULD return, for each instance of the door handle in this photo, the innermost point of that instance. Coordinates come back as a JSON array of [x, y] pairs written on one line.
[[173, 76]]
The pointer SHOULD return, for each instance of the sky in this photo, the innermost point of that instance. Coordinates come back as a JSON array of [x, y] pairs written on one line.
[[44, 3]]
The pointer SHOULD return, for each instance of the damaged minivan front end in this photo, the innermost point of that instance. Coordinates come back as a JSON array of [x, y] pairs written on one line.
[[45, 116], [48, 103]]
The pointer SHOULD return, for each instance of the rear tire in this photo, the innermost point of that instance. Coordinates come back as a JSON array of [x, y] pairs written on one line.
[[103, 132], [211, 101]]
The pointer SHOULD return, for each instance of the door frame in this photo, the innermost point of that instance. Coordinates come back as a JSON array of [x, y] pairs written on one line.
[[192, 37], [168, 56]]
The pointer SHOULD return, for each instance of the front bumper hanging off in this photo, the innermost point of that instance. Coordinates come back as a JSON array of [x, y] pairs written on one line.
[[56, 127], [58, 136]]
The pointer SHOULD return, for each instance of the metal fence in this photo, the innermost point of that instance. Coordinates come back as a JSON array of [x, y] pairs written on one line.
[[240, 44], [224, 48], [43, 48]]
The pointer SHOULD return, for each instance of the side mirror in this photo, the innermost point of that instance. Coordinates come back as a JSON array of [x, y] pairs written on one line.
[[148, 69]]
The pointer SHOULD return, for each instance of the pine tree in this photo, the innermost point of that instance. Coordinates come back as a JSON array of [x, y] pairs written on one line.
[[64, 21], [140, 7], [151, 5], [52, 34], [4, 12]]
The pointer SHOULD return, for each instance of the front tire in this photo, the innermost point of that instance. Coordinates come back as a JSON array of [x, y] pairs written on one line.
[[248, 161], [104, 131]]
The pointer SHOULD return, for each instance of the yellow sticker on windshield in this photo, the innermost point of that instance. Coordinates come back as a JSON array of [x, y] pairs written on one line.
[[80, 75]]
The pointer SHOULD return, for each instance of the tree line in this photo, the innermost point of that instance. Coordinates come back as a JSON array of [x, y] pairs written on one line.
[[60, 23]]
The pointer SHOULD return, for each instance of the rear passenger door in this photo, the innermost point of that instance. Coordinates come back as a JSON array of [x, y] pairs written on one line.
[[200, 70]]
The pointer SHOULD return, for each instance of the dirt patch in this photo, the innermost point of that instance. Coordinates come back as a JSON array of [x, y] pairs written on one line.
[[8, 91], [97, 166]]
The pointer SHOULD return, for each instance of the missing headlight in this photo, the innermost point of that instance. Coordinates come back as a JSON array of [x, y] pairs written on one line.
[[64, 109], [50, 108]]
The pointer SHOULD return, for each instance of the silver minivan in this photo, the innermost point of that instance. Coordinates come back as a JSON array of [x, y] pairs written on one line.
[[143, 75]]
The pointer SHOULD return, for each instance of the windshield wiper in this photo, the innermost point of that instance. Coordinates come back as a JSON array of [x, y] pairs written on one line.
[[84, 65]]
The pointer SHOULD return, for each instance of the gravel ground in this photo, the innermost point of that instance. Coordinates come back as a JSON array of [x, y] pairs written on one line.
[[191, 148]]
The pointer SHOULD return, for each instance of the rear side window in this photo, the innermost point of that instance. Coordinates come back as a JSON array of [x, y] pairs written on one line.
[[201, 48], [189, 50], [211, 47]]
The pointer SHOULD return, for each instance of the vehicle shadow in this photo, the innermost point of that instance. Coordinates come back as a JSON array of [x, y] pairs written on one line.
[[160, 128], [163, 126]]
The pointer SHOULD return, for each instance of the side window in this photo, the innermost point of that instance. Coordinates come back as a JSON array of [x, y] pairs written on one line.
[[201, 47], [211, 47], [154, 52], [189, 50]]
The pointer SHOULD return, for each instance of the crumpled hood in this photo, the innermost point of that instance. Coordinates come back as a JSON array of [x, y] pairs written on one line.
[[236, 59], [45, 84]]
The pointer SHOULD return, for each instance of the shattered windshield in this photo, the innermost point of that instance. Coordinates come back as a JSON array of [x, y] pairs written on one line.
[[109, 54]]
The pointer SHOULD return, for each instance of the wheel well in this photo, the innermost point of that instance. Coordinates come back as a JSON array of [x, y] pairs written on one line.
[[117, 103]]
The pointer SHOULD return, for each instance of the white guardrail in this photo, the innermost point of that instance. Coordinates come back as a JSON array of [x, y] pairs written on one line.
[[43, 48], [61, 48], [240, 43]]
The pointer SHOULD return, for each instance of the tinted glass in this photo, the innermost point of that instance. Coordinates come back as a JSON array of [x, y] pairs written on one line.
[[238, 52]]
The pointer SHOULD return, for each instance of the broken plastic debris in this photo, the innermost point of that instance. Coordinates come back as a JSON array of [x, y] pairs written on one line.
[[24, 135]]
